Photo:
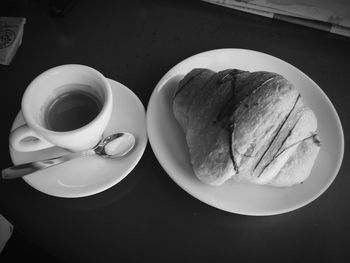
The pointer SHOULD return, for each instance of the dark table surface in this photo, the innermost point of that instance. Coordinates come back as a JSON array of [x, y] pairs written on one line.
[[147, 217]]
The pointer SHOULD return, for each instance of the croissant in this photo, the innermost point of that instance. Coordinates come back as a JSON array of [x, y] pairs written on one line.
[[245, 125]]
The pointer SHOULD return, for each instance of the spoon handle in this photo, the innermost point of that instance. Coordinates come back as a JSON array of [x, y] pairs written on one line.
[[28, 168]]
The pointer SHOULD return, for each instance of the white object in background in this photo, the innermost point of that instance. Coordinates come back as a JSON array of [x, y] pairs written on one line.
[[5, 232], [336, 12], [322, 15]]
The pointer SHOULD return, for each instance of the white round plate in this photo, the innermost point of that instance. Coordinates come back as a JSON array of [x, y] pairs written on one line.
[[169, 145], [93, 174]]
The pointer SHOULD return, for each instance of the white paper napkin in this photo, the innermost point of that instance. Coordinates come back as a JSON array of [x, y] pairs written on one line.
[[327, 15]]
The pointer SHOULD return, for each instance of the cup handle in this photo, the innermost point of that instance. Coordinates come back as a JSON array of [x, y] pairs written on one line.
[[25, 139]]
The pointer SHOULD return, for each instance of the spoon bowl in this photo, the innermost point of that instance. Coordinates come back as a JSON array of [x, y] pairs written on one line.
[[116, 145]]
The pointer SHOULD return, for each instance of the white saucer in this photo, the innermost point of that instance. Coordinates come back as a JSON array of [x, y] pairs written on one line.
[[93, 174], [169, 145]]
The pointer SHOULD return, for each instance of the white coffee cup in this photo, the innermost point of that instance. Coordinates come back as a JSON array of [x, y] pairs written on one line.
[[36, 135]]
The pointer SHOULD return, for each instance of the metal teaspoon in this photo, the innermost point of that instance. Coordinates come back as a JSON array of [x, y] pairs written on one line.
[[114, 146]]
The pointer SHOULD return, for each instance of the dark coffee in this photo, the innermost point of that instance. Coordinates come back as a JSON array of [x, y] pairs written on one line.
[[72, 110]]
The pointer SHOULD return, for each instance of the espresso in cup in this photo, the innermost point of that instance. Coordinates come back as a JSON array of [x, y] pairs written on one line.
[[72, 109], [67, 106]]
